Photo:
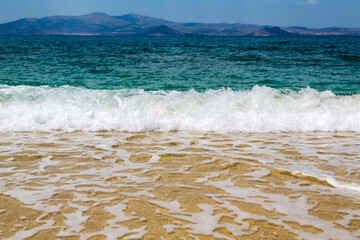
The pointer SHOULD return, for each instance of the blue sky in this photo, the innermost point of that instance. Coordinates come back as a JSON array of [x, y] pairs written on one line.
[[308, 13]]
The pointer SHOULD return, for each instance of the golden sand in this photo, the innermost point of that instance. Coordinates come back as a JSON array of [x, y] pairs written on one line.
[[189, 185]]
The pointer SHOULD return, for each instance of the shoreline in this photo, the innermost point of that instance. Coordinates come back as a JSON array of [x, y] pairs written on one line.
[[126, 185]]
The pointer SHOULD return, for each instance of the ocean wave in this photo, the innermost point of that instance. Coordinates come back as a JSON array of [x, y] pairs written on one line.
[[261, 109]]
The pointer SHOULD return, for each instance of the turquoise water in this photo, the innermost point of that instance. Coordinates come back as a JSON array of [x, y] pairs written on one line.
[[182, 63], [220, 84]]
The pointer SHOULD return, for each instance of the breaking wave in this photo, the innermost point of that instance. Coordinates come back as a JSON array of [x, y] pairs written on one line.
[[261, 109]]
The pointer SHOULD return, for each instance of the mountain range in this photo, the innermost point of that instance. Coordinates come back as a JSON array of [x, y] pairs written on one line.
[[135, 24]]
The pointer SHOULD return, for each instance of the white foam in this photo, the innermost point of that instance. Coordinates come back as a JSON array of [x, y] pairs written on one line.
[[354, 186], [262, 109], [75, 219], [173, 206], [337, 184], [23, 234]]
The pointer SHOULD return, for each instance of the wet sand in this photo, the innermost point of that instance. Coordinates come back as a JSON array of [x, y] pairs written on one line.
[[173, 185]]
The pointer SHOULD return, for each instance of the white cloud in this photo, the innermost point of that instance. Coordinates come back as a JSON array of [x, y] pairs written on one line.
[[309, 2]]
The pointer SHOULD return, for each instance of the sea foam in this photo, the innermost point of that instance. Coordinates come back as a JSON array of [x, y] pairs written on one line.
[[261, 109]]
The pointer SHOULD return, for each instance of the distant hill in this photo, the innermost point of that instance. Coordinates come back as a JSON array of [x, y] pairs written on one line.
[[163, 30], [273, 32], [330, 31], [135, 24]]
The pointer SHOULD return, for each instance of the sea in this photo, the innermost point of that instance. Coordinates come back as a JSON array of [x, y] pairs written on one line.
[[179, 137], [221, 84]]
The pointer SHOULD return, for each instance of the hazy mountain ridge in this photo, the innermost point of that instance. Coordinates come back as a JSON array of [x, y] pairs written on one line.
[[164, 30], [135, 24], [273, 32]]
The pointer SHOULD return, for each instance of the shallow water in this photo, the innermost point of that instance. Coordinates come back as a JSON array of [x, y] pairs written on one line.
[[179, 184]]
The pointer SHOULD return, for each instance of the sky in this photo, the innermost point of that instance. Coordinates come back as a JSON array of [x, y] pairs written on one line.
[[307, 13]]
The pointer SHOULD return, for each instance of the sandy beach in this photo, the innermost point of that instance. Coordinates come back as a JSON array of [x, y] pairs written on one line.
[[179, 185]]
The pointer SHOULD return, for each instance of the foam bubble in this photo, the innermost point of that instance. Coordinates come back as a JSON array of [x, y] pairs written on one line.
[[262, 109]]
